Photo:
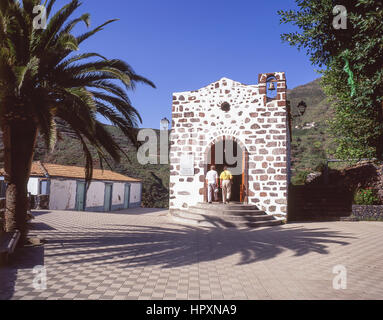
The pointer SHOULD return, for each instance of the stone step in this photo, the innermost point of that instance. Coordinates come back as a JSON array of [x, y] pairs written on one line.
[[225, 212], [231, 206], [223, 223], [235, 218]]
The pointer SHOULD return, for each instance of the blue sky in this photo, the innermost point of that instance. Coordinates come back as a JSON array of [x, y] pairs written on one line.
[[185, 45]]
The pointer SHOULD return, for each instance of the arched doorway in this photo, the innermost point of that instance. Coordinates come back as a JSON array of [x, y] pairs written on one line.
[[229, 152]]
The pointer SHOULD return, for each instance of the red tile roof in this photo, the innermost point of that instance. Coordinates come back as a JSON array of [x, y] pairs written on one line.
[[56, 170]]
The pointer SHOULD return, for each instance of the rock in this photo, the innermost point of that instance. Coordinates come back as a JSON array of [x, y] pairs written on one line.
[[312, 176]]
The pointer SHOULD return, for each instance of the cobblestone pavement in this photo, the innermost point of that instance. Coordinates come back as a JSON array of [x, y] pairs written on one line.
[[144, 255]]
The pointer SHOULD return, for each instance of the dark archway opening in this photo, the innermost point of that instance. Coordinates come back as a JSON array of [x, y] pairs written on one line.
[[228, 152]]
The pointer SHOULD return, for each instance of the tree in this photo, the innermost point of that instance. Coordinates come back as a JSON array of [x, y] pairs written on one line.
[[358, 122], [42, 79]]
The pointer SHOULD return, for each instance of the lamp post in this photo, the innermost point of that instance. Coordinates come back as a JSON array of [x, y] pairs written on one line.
[[164, 126]]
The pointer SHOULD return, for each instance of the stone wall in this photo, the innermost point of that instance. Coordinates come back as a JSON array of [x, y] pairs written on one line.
[[257, 123], [367, 212]]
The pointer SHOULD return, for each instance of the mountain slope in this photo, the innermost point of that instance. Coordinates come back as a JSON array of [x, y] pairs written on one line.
[[308, 147], [311, 144]]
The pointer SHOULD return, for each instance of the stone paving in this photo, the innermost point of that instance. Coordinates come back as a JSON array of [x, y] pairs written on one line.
[[143, 254]]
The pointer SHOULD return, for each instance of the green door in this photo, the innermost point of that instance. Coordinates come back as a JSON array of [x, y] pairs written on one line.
[[127, 196], [108, 197], [80, 196]]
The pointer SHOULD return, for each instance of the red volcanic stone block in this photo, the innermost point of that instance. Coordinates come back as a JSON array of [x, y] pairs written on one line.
[[279, 151], [280, 177], [189, 114], [263, 151], [258, 158], [262, 90], [258, 171], [255, 127], [273, 120], [257, 186], [260, 141], [281, 103], [263, 194], [272, 145], [264, 178], [181, 98], [254, 115], [271, 171], [192, 98], [280, 165]]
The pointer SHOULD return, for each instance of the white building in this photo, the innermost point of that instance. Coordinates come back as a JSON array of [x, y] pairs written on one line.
[[65, 185], [238, 125]]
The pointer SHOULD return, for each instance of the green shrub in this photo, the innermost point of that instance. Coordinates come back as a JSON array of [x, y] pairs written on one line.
[[299, 178], [366, 197]]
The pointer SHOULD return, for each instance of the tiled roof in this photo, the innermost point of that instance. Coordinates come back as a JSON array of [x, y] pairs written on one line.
[[56, 170]]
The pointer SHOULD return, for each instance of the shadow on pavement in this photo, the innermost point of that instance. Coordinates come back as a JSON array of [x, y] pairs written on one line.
[[23, 258], [147, 246]]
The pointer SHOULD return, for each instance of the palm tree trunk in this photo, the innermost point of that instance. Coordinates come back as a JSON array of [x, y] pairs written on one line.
[[19, 138]]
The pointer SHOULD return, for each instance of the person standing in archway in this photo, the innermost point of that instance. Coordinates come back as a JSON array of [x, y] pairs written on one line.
[[212, 183], [226, 183]]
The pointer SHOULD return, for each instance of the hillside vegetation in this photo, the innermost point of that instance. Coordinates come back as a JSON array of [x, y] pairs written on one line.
[[311, 144], [310, 148]]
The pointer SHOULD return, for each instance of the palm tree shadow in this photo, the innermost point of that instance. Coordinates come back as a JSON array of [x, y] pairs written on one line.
[[23, 258], [169, 248]]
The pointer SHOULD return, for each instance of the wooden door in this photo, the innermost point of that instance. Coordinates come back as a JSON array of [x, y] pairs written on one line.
[[127, 196], [108, 197], [244, 184], [80, 196]]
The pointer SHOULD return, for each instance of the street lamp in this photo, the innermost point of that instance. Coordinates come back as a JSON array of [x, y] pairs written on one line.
[[302, 106]]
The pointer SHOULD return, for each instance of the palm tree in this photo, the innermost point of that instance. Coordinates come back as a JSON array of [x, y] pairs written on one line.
[[42, 79]]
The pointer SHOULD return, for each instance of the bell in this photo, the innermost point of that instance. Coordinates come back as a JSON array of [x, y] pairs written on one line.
[[272, 86]]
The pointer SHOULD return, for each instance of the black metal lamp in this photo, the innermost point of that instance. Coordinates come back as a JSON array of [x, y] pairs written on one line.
[[302, 106]]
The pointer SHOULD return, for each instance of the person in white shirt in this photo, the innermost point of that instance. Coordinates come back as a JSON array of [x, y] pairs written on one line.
[[212, 183]]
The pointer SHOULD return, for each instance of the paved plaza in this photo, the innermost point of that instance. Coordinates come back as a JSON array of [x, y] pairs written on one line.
[[143, 254]]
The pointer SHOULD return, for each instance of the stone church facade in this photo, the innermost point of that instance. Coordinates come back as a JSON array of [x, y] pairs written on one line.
[[228, 111]]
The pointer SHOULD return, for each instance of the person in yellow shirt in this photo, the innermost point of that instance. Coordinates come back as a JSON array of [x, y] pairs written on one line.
[[226, 183]]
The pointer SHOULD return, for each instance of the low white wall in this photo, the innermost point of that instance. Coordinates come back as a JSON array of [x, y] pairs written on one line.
[[95, 196], [118, 194], [135, 193], [33, 186], [62, 194]]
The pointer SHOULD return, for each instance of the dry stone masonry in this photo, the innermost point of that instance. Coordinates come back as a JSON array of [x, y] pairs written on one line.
[[229, 110]]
